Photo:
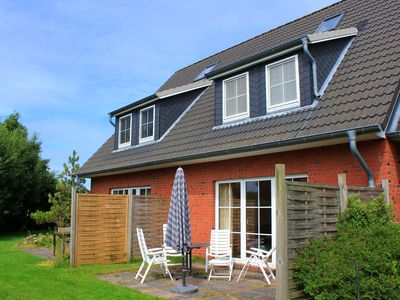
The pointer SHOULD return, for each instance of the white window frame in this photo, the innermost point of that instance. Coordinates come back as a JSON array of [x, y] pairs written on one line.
[[237, 116], [289, 104], [243, 224], [122, 145], [149, 138], [130, 189]]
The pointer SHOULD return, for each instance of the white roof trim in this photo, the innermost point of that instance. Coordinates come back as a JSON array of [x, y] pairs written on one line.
[[331, 35], [184, 88]]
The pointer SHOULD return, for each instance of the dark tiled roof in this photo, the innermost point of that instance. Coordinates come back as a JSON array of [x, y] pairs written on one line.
[[360, 94]]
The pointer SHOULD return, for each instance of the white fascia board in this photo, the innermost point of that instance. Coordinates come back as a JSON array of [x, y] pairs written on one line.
[[184, 88], [315, 38]]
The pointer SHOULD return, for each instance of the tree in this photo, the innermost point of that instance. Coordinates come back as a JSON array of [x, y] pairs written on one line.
[[60, 210], [25, 179]]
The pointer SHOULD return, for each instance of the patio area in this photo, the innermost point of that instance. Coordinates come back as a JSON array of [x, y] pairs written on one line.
[[251, 287]]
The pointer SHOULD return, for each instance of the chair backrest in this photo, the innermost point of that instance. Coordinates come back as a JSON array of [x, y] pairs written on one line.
[[142, 244], [220, 242]]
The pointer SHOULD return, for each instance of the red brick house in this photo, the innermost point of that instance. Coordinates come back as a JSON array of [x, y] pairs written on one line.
[[306, 94]]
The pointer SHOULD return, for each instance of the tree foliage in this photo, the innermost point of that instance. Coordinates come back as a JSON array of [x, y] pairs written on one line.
[[60, 201], [25, 179], [325, 269]]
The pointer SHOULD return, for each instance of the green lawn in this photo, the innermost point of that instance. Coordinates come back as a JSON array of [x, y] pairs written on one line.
[[24, 276]]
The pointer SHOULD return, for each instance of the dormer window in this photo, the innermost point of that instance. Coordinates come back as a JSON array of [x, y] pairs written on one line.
[[124, 135], [329, 24], [283, 90], [235, 103], [146, 124]]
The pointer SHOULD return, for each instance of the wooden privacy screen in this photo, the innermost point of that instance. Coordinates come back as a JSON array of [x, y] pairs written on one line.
[[149, 213], [306, 211], [101, 234]]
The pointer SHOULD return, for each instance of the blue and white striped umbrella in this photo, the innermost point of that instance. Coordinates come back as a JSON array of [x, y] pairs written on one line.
[[178, 235]]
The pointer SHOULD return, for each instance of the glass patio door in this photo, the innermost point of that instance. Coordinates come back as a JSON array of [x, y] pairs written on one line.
[[245, 208]]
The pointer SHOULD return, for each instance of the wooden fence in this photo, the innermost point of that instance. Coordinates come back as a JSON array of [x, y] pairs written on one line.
[[100, 229], [306, 211], [149, 213], [103, 227]]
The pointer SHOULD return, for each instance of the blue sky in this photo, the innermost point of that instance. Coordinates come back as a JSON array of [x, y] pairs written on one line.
[[65, 64]]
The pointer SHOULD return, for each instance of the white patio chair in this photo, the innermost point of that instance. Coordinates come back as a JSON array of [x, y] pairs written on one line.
[[152, 256], [260, 258], [220, 251], [169, 251]]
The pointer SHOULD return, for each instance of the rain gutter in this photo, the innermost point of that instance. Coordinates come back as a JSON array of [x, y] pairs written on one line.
[[276, 144]]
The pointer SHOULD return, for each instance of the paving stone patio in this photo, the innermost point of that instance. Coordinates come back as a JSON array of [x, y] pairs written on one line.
[[252, 287]]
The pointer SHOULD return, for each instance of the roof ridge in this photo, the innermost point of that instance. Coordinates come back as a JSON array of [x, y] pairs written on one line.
[[263, 33]]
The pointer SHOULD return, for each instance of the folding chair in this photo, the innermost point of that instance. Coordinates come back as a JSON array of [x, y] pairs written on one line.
[[260, 258], [169, 251], [152, 256], [220, 250]]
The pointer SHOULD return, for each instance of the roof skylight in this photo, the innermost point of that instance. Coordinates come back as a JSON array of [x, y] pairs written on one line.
[[205, 72], [329, 24]]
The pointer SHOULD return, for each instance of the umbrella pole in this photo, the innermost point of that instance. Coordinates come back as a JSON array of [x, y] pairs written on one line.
[[184, 257]]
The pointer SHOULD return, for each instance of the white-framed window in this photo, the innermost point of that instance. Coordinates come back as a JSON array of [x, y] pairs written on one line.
[[125, 131], [247, 208], [235, 97], [134, 191], [282, 82], [146, 124]]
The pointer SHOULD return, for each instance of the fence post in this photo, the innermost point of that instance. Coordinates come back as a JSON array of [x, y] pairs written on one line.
[[72, 241], [282, 276], [130, 199], [343, 192], [385, 187]]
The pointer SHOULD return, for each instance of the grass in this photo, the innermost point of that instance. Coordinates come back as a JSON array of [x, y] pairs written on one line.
[[24, 276]]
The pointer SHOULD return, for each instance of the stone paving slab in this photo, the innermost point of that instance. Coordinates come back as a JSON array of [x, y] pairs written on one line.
[[252, 287], [45, 253]]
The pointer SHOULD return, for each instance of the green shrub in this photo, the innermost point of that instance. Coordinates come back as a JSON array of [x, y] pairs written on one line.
[[325, 269]]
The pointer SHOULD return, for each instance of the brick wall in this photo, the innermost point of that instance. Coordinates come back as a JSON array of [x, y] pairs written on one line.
[[322, 165]]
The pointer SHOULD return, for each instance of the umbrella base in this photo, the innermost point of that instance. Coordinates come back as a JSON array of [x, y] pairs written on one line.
[[185, 290]]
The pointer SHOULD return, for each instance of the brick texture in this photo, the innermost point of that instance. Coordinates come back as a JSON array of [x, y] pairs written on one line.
[[321, 165]]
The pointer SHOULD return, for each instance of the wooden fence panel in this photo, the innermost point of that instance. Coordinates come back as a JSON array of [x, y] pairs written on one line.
[[149, 213], [101, 229], [311, 210]]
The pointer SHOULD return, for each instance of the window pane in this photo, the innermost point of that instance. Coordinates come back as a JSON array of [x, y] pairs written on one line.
[[242, 104], [150, 115], [265, 242], [290, 91], [235, 194], [148, 192], [289, 70], [142, 192], [252, 193], [230, 107], [144, 117], [144, 131], [235, 240], [275, 75], [235, 225], [265, 193], [224, 218], [150, 129], [241, 85], [114, 192], [230, 89], [224, 194], [251, 241], [265, 220], [276, 95], [252, 220], [133, 192]]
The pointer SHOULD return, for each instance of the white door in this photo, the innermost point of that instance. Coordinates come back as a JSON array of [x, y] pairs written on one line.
[[245, 207]]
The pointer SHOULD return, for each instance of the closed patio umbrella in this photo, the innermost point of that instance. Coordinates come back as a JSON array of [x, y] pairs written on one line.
[[178, 235]]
